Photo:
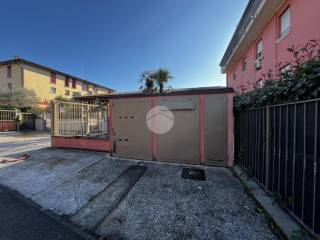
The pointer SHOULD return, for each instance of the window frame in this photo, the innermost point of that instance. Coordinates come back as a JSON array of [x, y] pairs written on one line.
[[66, 81], [257, 49], [95, 90], [51, 90], [74, 83], [258, 57], [234, 75], [85, 87], [285, 32], [53, 78], [244, 64]]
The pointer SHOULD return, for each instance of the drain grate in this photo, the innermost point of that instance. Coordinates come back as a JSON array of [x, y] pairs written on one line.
[[194, 174]]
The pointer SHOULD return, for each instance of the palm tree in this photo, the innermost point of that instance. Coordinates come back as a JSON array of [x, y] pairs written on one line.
[[155, 81], [148, 81], [162, 77]]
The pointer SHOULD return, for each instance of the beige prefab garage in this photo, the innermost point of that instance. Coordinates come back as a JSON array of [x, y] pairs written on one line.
[[200, 130]]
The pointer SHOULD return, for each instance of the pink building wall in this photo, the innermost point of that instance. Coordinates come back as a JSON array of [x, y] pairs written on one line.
[[305, 19], [104, 145]]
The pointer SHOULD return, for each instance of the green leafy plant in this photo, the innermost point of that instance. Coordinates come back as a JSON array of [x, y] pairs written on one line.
[[62, 99], [148, 82], [162, 77], [297, 80], [22, 98], [155, 81]]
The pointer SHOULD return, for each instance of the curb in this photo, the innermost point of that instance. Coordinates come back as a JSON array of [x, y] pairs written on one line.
[[283, 221]]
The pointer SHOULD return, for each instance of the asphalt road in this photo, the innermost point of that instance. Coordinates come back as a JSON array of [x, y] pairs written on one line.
[[20, 220], [159, 205]]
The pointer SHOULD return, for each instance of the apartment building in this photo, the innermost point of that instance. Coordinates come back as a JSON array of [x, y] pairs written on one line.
[[266, 30], [46, 82]]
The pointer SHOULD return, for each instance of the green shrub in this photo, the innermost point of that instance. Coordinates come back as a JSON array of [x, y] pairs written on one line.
[[299, 82]]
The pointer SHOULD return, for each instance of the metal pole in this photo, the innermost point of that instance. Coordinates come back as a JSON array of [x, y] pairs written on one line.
[[315, 167], [267, 147]]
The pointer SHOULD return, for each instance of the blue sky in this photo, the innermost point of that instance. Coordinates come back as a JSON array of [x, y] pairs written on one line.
[[111, 42]]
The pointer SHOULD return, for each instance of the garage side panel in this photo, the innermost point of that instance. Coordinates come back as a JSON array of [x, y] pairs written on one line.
[[216, 130]]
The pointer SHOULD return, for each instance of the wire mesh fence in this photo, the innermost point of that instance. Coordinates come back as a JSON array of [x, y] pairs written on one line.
[[79, 119], [279, 147]]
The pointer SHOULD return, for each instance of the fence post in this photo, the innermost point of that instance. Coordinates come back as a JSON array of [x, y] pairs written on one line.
[[81, 118], [267, 147], [17, 119], [52, 118], [88, 121]]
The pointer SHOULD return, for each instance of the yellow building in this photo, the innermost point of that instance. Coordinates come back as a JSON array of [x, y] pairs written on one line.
[[46, 82]]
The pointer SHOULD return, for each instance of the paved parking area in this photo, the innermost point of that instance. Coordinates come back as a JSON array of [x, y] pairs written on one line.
[[22, 142], [127, 199]]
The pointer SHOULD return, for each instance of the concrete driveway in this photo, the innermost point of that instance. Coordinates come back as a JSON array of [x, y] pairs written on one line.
[[21, 142], [127, 199]]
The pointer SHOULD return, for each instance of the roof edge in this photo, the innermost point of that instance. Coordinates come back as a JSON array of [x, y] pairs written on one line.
[[221, 64], [175, 92], [24, 61], [263, 11]]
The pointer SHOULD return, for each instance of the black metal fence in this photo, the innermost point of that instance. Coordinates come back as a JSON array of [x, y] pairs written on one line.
[[279, 146]]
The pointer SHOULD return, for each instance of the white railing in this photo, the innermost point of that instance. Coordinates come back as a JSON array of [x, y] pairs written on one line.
[[79, 119]]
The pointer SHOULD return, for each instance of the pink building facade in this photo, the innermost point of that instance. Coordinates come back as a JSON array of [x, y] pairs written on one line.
[[266, 29]]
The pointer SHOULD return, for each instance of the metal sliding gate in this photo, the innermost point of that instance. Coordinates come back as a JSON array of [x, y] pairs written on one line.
[[79, 119], [8, 120], [279, 146]]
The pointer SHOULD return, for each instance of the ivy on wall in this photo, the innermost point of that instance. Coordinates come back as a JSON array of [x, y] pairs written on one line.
[[297, 80]]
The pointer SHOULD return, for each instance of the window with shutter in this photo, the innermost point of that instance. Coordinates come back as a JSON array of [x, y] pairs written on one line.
[[53, 78], [9, 71], [66, 82], [74, 83]]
